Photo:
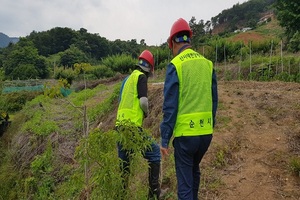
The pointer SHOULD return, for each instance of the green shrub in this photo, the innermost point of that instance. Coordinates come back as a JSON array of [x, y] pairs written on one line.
[[9, 178], [102, 160], [101, 109], [284, 76], [295, 165], [67, 74], [120, 63], [58, 90], [98, 154], [89, 76], [297, 78], [228, 75], [162, 65], [2, 75], [41, 183], [102, 72], [13, 102], [80, 97], [40, 125]]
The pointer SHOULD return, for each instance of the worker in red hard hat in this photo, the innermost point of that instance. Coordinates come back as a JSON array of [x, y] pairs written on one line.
[[146, 62], [180, 26], [133, 107], [189, 109]]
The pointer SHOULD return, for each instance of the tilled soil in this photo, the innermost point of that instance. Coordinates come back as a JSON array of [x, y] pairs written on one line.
[[258, 124]]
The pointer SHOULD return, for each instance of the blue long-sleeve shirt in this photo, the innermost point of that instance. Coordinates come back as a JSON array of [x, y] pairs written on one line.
[[170, 105]]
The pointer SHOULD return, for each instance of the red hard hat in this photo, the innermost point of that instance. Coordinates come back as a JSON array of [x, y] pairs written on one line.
[[179, 26], [148, 57]]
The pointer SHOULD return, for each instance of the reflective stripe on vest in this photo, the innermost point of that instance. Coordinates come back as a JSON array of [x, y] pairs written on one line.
[[195, 94], [129, 106]]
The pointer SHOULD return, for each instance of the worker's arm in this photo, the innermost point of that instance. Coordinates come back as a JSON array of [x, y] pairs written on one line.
[[122, 86], [142, 93], [214, 96], [170, 105]]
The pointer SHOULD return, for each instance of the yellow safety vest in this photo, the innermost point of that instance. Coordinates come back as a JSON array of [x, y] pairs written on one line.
[[129, 106], [195, 94]]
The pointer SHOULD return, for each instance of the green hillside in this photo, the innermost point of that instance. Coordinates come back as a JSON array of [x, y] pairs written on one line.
[[270, 30]]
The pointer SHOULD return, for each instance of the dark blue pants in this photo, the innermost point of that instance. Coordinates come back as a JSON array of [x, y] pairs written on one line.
[[188, 152], [152, 155]]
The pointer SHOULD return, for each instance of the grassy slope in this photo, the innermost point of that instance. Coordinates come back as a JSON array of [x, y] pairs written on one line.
[[43, 122]]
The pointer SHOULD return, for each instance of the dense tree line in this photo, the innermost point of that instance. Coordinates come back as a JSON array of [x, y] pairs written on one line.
[[36, 55], [23, 61]]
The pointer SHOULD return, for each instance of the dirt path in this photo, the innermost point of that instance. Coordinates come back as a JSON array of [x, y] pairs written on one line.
[[256, 122]]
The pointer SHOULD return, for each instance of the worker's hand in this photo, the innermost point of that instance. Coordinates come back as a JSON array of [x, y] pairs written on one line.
[[164, 151], [145, 115]]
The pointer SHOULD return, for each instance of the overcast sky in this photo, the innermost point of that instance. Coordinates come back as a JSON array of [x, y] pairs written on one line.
[[113, 19]]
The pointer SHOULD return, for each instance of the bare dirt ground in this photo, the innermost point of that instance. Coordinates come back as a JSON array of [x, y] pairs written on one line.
[[259, 125], [256, 136], [249, 36]]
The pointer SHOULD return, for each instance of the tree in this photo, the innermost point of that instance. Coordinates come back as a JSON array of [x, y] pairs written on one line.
[[119, 47], [198, 30], [289, 17], [71, 56], [24, 71], [122, 63], [53, 41], [93, 45], [294, 44], [143, 43], [23, 62]]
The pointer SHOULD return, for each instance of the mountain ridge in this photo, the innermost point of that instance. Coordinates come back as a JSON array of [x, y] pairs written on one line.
[[5, 40]]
